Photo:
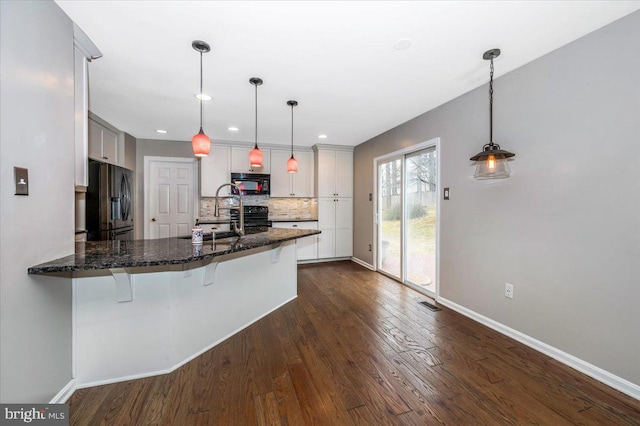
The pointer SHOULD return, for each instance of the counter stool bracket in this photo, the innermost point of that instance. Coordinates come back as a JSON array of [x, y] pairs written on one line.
[[275, 253], [210, 273], [124, 290]]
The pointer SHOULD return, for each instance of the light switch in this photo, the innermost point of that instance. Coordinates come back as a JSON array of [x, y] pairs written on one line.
[[446, 193], [22, 180]]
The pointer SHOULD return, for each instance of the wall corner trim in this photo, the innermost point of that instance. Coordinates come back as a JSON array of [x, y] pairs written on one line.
[[603, 376], [65, 393], [363, 263]]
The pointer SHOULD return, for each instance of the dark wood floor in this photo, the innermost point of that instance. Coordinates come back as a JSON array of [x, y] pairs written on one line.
[[357, 348]]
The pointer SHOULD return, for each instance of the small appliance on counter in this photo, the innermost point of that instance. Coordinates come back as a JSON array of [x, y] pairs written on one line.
[[251, 183], [109, 204]]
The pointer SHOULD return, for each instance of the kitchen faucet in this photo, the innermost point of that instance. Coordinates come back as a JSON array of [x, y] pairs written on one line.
[[216, 210]]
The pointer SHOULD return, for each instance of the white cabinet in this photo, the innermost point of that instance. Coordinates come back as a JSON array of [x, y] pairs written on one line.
[[334, 172], [285, 184], [240, 160], [307, 247], [103, 143], [215, 170], [335, 220]]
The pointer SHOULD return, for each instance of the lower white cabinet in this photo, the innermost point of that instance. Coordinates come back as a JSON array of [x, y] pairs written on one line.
[[335, 220], [307, 247]]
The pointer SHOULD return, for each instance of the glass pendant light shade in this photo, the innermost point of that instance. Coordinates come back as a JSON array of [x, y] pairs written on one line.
[[255, 157], [201, 144], [493, 167], [292, 165], [492, 162]]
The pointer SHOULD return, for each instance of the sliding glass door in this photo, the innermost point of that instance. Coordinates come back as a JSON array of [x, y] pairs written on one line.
[[389, 217], [406, 218]]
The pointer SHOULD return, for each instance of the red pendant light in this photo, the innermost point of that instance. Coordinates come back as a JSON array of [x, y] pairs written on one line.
[[200, 142], [255, 156], [292, 163]]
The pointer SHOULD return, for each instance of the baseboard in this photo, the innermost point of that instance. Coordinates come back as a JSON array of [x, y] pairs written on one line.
[[323, 260], [183, 362], [65, 393], [609, 379], [363, 263]]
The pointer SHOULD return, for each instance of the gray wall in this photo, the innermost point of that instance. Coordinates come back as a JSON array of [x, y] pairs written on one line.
[[37, 132], [565, 228], [153, 148]]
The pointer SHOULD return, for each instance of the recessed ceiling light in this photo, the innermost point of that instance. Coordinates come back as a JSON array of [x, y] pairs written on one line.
[[203, 96], [161, 131], [322, 136], [402, 44], [232, 129]]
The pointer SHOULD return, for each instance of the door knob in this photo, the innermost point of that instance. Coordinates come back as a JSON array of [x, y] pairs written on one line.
[[153, 219]]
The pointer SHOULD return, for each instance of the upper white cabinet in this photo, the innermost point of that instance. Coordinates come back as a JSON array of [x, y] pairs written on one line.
[[240, 160], [215, 170], [334, 172], [285, 184], [103, 143]]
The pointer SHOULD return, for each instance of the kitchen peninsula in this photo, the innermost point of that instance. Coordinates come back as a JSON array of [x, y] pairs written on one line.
[[146, 307]]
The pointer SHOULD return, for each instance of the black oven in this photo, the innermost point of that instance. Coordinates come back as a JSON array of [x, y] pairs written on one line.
[[251, 183]]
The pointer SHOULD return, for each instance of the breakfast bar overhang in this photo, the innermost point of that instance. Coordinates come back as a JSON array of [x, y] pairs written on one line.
[[146, 307]]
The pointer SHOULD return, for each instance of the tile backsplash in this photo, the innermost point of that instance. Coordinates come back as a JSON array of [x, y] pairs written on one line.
[[279, 208], [293, 208]]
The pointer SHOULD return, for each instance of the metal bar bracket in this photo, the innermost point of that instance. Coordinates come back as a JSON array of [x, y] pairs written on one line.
[[275, 253], [124, 290], [210, 273]]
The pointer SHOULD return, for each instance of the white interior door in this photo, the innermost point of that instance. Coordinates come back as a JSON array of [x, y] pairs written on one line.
[[171, 197]]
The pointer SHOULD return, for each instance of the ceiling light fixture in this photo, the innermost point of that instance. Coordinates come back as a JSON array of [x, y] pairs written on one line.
[[403, 44], [164, 132], [255, 156], [203, 97], [200, 142], [292, 163], [322, 136], [491, 162], [232, 129]]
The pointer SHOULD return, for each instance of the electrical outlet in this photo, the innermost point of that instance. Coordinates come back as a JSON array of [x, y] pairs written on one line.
[[508, 290]]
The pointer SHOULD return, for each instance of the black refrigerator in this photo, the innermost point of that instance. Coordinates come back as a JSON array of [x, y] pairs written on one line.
[[109, 214]]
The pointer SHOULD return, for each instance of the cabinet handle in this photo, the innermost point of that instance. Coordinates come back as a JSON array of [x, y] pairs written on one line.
[[153, 219], [105, 158], [295, 226]]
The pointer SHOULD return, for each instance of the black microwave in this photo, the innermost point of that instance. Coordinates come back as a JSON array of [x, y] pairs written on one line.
[[251, 184]]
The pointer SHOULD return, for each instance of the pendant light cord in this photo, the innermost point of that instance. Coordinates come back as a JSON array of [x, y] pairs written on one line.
[[200, 91], [491, 104], [292, 131], [256, 116]]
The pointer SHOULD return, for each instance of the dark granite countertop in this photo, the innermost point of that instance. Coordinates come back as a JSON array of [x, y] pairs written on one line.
[[292, 220], [97, 255]]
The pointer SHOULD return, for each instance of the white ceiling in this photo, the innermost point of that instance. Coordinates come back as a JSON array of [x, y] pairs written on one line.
[[337, 59]]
